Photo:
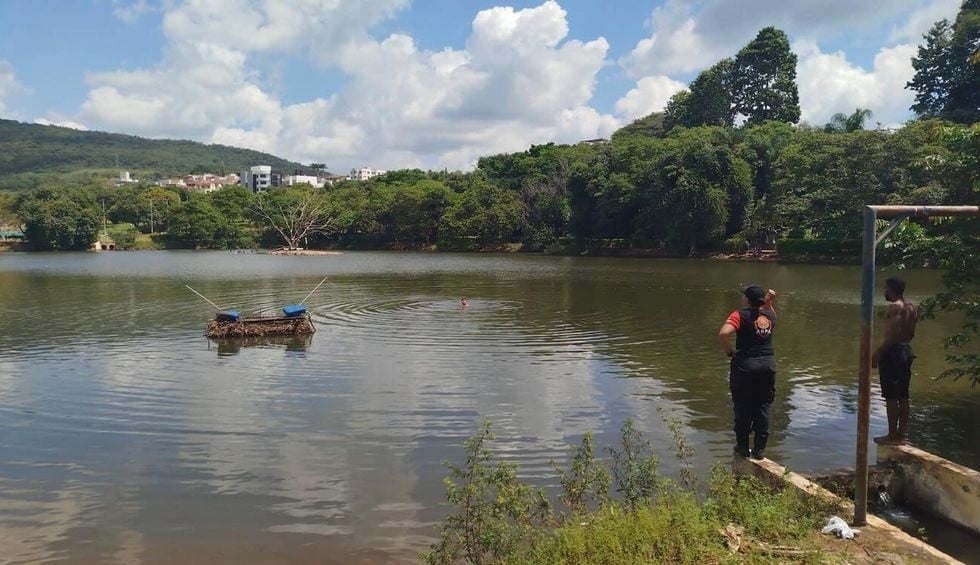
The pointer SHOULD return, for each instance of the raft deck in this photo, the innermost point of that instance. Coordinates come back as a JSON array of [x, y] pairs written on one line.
[[261, 326]]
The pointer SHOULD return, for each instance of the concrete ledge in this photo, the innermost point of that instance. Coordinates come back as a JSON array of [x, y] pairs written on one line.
[[934, 485], [775, 474]]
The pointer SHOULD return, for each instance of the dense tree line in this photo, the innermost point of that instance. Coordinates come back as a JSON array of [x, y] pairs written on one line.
[[725, 166], [691, 190]]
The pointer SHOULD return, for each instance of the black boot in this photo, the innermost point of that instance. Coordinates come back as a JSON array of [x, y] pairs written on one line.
[[759, 452], [742, 446]]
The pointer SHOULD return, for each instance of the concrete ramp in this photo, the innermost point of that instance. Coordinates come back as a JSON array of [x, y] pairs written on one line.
[[934, 485], [775, 474]]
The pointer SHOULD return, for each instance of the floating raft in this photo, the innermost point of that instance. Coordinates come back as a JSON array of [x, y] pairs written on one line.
[[230, 323]]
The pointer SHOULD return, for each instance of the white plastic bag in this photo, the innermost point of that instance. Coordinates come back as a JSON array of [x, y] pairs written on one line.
[[838, 526]]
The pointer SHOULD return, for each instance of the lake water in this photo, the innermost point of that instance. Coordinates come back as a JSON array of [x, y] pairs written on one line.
[[125, 435]]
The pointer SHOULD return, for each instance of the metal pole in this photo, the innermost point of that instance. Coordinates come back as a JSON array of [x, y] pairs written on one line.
[[864, 374], [889, 211]]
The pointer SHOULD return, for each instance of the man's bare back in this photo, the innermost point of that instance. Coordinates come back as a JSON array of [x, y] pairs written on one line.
[[900, 322]]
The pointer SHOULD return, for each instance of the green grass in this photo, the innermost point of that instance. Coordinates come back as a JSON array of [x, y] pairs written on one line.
[[676, 530], [146, 242], [679, 527], [645, 518]]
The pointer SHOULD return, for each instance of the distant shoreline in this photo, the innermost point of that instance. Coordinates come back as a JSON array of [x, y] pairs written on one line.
[[626, 253], [300, 252]]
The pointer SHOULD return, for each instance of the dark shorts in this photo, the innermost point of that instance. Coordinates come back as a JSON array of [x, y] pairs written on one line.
[[895, 371]]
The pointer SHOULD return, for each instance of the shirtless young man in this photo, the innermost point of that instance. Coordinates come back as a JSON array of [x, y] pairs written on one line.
[[894, 361]]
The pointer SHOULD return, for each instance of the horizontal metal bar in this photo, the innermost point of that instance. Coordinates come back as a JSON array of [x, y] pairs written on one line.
[[924, 211]]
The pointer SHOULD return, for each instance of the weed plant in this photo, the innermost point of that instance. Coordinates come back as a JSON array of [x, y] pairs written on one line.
[[621, 510]]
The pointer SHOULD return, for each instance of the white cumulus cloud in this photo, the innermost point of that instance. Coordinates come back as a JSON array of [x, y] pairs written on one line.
[[519, 80], [651, 94], [923, 18], [61, 123], [829, 83], [686, 36]]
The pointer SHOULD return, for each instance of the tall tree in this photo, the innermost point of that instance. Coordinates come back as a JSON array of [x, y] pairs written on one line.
[[293, 214], [707, 103], [947, 76], [763, 79]]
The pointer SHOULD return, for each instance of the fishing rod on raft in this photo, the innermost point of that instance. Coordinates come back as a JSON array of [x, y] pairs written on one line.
[[204, 297], [305, 298]]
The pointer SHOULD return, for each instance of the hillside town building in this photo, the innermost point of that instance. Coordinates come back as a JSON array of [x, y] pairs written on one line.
[[206, 182], [365, 173]]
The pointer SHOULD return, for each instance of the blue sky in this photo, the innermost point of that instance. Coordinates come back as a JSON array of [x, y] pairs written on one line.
[[428, 83]]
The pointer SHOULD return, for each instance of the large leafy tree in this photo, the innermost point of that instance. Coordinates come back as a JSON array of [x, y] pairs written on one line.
[[708, 102], [947, 74], [198, 223], [685, 200], [416, 210], [763, 79], [59, 220], [486, 212], [234, 202]]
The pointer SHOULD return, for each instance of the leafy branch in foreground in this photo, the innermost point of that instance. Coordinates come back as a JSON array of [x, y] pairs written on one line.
[[634, 467], [956, 250], [587, 481], [959, 255], [496, 511]]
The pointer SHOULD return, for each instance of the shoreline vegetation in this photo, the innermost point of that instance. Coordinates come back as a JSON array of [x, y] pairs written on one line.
[[614, 506], [627, 253]]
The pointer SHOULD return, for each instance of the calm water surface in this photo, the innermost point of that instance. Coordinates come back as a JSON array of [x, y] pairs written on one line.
[[126, 436]]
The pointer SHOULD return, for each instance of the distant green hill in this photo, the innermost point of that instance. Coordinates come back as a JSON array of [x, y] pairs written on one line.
[[31, 155]]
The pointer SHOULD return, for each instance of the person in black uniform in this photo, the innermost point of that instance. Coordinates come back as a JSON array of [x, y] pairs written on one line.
[[752, 379]]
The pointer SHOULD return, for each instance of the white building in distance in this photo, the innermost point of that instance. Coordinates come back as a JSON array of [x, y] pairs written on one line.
[[290, 180], [365, 173], [260, 178], [125, 178]]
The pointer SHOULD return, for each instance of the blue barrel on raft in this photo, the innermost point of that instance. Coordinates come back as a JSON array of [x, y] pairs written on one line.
[[294, 310], [227, 316]]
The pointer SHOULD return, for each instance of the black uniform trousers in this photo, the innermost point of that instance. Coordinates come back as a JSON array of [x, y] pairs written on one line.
[[752, 382]]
